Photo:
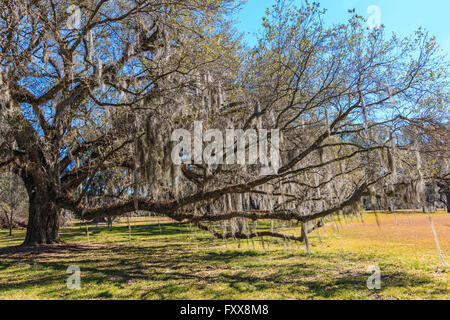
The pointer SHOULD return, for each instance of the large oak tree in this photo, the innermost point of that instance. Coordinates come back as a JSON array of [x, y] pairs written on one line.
[[92, 90]]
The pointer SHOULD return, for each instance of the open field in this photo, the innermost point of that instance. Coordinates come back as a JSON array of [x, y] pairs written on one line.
[[163, 260]]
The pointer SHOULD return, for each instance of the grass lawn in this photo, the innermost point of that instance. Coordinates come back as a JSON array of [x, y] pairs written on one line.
[[164, 260]]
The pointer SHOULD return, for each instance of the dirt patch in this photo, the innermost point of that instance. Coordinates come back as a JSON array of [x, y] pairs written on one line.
[[48, 250]]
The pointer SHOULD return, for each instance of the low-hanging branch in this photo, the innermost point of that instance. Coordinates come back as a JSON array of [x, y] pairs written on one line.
[[169, 209], [251, 235]]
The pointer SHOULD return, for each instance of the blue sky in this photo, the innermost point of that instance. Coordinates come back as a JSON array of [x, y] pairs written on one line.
[[400, 16]]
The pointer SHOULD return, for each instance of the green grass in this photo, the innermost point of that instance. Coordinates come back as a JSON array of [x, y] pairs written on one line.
[[171, 261]]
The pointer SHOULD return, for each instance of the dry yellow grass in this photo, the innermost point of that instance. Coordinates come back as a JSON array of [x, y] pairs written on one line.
[[407, 235]]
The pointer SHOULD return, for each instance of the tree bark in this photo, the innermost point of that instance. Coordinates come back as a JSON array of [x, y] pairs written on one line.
[[43, 217]]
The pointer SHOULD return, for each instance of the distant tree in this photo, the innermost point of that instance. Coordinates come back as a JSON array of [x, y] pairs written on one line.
[[444, 194], [13, 200]]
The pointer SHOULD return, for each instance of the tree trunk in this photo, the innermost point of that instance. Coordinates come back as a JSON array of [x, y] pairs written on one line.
[[305, 238], [43, 218], [448, 202], [10, 224], [109, 221]]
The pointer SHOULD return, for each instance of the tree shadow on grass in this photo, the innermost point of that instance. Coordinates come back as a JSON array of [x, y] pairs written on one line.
[[150, 230], [182, 270]]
